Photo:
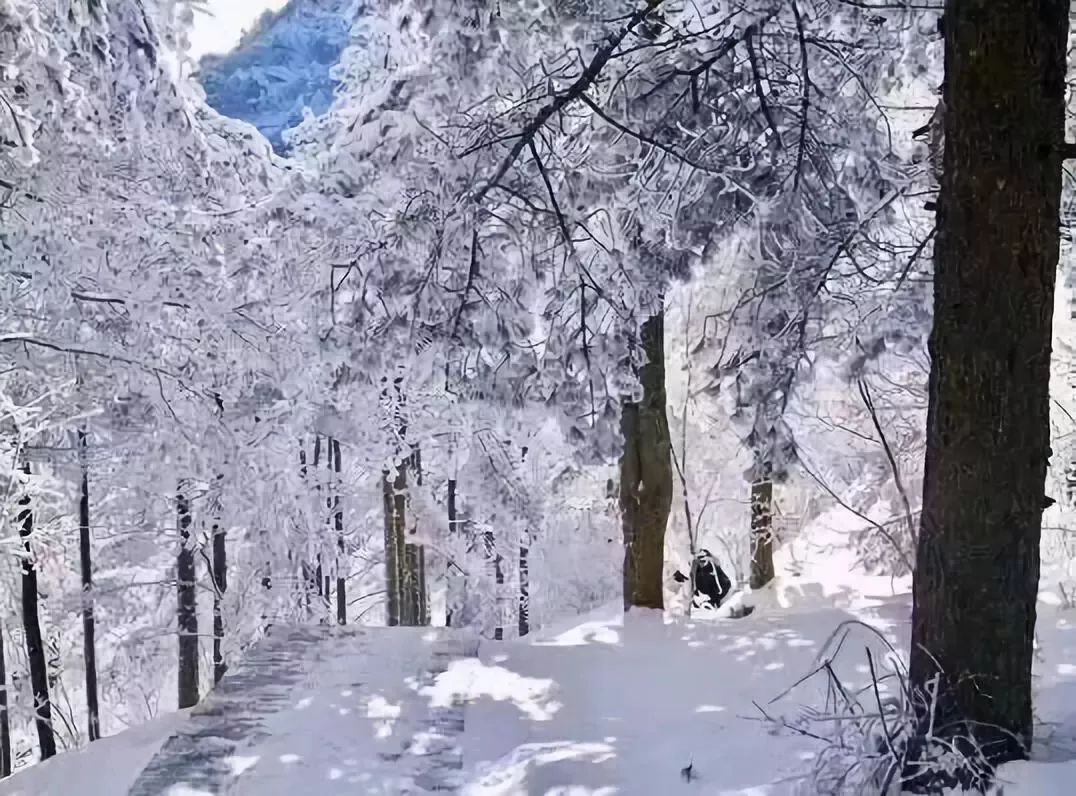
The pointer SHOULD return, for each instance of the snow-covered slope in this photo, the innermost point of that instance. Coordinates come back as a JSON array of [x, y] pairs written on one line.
[[281, 67], [598, 705], [105, 768]]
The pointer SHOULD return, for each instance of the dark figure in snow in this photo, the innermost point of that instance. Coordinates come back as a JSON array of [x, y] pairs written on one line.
[[712, 585]]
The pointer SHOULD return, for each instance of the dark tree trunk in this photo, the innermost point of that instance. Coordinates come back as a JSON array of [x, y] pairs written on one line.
[[988, 431], [393, 586], [422, 597], [405, 563], [410, 586], [497, 566], [220, 588], [452, 530], [305, 568], [327, 524], [524, 573], [319, 576], [35, 647], [85, 552], [5, 722], [187, 607], [341, 552], [646, 476], [762, 570], [415, 560], [524, 588]]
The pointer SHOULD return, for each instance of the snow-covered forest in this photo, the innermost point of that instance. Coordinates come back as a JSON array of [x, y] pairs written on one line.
[[689, 330]]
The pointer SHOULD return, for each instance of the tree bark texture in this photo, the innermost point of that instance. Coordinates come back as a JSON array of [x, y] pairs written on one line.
[[392, 550], [451, 578], [220, 588], [988, 433], [5, 721], [89, 627], [31, 622], [496, 569], [306, 569], [762, 570], [187, 607], [415, 559], [524, 587], [319, 571], [399, 532], [341, 551], [646, 476]]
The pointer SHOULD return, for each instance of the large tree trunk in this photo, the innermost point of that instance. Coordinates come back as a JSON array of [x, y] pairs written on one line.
[[5, 721], [988, 432], [341, 552], [89, 628], [393, 552], [646, 476], [186, 606], [220, 588], [762, 570], [31, 622], [405, 563], [415, 560]]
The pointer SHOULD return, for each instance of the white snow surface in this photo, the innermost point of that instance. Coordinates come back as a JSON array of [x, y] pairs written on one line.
[[106, 768], [597, 705]]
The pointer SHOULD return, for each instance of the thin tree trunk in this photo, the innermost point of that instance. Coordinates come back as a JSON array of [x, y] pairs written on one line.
[[422, 595], [220, 587], [762, 570], [5, 722], [89, 646], [646, 476], [524, 587], [399, 531], [35, 647], [988, 429], [187, 606], [318, 571], [305, 569], [415, 559], [410, 586], [450, 578], [493, 559], [392, 550], [524, 573], [341, 552], [327, 523]]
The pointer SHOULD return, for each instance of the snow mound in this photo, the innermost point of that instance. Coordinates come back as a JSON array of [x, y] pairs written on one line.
[[1036, 779], [107, 767]]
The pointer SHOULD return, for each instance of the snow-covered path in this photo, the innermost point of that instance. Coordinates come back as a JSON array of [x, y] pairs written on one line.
[[621, 707], [329, 710], [596, 705]]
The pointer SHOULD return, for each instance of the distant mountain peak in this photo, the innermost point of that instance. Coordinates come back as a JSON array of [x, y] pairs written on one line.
[[281, 66]]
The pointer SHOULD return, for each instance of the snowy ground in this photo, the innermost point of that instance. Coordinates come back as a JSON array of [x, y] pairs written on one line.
[[594, 706], [108, 768]]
